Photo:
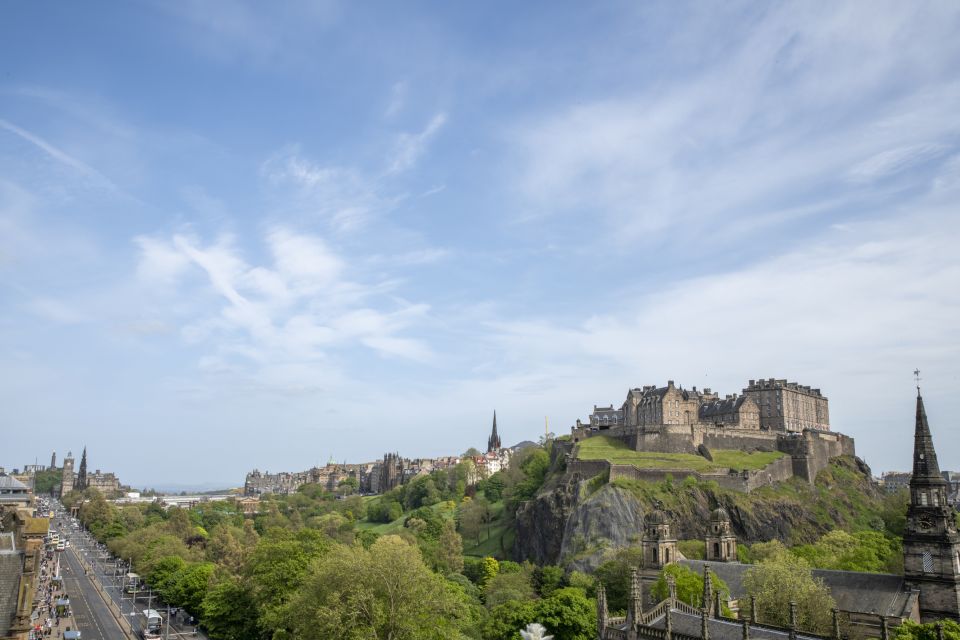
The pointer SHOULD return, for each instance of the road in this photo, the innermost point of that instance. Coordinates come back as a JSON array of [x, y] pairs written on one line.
[[93, 618]]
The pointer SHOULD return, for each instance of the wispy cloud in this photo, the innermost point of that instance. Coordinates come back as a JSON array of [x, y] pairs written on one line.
[[296, 310], [57, 154], [410, 147]]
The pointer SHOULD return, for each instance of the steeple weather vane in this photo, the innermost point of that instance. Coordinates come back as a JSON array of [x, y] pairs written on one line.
[[916, 376]]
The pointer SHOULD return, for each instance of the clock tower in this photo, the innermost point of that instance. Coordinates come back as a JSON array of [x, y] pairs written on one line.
[[931, 544]]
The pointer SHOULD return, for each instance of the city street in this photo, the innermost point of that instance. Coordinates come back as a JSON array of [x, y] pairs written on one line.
[[108, 572], [93, 618]]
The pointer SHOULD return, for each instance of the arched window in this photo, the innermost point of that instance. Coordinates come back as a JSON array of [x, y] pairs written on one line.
[[927, 562], [716, 549], [666, 556]]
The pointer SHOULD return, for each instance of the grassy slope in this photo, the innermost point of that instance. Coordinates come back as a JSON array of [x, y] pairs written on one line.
[[605, 448]]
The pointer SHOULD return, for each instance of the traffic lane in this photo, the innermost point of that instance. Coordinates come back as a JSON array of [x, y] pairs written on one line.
[[90, 612]]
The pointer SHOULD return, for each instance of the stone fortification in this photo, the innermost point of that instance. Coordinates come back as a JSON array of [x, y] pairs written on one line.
[[770, 415]]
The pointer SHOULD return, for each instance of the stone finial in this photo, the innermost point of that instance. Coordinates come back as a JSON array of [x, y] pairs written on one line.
[[836, 623], [672, 589], [704, 626], [940, 630], [753, 609], [707, 590], [884, 628], [668, 622], [746, 630], [717, 604]]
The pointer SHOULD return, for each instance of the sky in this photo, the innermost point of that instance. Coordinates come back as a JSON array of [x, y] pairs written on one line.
[[240, 235]]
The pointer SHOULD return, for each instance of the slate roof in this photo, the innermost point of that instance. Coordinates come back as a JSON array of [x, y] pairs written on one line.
[[853, 591], [11, 483], [721, 407], [689, 624]]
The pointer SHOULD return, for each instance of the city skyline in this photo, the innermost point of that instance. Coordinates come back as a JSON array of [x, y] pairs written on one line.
[[236, 237]]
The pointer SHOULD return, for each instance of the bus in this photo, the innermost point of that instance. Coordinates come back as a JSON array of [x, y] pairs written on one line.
[[131, 583], [151, 624]]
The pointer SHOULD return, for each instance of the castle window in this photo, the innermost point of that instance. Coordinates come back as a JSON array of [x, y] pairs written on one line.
[[927, 562], [923, 498]]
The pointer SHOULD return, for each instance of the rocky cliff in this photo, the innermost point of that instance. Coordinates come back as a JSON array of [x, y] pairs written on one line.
[[576, 522]]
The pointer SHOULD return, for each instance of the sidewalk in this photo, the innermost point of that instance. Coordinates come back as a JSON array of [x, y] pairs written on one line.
[[45, 603]]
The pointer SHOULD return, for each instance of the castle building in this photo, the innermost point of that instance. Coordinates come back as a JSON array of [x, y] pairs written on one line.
[[493, 442], [788, 406], [931, 544], [739, 412]]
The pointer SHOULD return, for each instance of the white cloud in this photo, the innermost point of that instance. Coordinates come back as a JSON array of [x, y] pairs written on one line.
[[58, 154], [409, 147], [291, 313]]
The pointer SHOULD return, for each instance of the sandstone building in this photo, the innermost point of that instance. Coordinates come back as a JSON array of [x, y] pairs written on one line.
[[770, 415]]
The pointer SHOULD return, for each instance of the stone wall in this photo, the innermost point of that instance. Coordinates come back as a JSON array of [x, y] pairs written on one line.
[[744, 481]]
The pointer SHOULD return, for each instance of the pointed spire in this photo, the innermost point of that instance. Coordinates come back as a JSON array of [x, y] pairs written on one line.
[[635, 604], [602, 613], [925, 466], [493, 442]]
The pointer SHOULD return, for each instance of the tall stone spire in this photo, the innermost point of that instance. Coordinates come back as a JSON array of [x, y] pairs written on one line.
[[602, 613], [82, 474], [707, 591], [925, 466], [493, 442], [53, 460]]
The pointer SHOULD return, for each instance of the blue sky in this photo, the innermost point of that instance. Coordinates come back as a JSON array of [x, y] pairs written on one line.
[[235, 235]]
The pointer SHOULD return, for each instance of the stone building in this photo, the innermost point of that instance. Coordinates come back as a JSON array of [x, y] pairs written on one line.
[[105, 483], [653, 405], [606, 417], [788, 406], [735, 411], [658, 544], [21, 549], [68, 479]]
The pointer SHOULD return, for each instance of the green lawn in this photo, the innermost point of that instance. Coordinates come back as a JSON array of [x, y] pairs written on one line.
[[606, 448], [443, 508], [491, 544]]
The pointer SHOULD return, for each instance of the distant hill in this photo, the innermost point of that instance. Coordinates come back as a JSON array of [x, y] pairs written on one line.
[[526, 444]]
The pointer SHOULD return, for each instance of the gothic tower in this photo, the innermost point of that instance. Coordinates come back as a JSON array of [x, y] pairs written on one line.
[[658, 544], [931, 544], [721, 543], [493, 442], [82, 475], [66, 482], [53, 461]]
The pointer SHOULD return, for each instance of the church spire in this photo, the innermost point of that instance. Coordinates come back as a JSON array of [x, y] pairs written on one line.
[[493, 442], [925, 466]]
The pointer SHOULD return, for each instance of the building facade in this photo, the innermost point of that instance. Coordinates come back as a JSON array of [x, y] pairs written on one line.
[[788, 406]]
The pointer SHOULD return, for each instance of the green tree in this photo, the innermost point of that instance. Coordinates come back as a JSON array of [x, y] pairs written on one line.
[[547, 579], [228, 611], [615, 576], [191, 587], [689, 585], [385, 592], [911, 630], [489, 569], [504, 587], [784, 578]]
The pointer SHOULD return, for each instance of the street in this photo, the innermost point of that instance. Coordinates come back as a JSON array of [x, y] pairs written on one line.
[[90, 612]]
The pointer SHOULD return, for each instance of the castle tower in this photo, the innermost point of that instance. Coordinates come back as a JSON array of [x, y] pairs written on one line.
[[53, 461], [66, 482], [493, 442], [721, 543], [658, 544], [81, 483], [931, 544]]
